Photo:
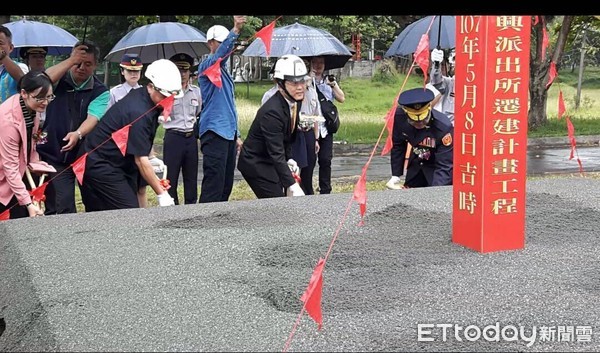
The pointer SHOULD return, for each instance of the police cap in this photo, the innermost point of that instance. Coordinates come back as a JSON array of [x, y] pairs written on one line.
[[131, 62], [416, 103], [25, 51], [182, 61]]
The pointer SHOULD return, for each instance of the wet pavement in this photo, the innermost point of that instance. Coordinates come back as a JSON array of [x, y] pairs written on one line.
[[348, 161]]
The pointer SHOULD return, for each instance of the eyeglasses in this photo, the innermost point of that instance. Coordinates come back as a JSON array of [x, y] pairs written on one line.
[[48, 99], [166, 92]]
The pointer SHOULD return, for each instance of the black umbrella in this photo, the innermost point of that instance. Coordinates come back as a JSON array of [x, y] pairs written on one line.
[[304, 41], [441, 35]]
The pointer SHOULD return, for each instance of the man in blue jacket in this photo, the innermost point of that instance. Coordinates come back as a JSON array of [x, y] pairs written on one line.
[[81, 100], [219, 134]]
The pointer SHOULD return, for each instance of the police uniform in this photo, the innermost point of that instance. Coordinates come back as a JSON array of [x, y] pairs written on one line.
[[180, 144], [111, 178], [430, 162], [128, 62]]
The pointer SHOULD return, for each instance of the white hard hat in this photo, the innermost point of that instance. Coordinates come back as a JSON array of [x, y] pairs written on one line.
[[290, 68], [217, 32], [166, 78]]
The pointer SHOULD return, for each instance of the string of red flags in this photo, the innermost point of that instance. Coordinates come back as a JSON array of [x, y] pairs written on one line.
[[266, 36], [213, 73], [422, 56], [120, 137], [313, 293], [551, 74], [389, 125], [561, 104], [360, 194]]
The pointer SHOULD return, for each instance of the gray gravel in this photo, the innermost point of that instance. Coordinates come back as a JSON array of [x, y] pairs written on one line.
[[228, 276]]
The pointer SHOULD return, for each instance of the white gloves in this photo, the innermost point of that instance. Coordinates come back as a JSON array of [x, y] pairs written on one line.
[[295, 190], [293, 166], [437, 55], [165, 199], [394, 183], [158, 164]]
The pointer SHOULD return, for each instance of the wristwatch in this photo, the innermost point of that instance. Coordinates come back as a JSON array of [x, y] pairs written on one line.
[[27, 204]]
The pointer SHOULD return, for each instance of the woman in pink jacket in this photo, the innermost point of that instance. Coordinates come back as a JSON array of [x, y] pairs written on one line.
[[19, 120]]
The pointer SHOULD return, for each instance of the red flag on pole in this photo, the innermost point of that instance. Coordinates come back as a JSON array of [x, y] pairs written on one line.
[[120, 137], [552, 75], [37, 194], [213, 72], [389, 125], [79, 168], [312, 295], [266, 35], [167, 105], [561, 104], [422, 56], [360, 194], [4, 216], [571, 131], [545, 41]]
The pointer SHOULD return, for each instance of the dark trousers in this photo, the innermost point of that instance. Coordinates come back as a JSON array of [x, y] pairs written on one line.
[[180, 154], [60, 192], [107, 188], [264, 189], [325, 155], [306, 173], [18, 211], [218, 165]]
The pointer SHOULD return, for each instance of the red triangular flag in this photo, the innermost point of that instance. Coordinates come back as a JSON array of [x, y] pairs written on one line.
[[552, 75], [389, 125], [422, 56], [360, 194], [571, 132], [4, 216], [213, 72], [266, 34], [37, 194], [167, 105], [120, 137], [79, 168], [544, 41], [561, 104], [312, 295]]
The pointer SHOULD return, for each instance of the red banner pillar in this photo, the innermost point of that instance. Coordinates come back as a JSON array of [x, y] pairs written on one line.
[[490, 133]]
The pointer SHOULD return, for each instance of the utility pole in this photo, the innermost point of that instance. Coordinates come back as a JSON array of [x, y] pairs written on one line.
[[582, 57]]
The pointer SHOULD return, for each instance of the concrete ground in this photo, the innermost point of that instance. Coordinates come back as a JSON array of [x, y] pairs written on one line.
[[228, 276]]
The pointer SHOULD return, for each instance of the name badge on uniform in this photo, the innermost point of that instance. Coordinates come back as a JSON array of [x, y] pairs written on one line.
[[194, 102]]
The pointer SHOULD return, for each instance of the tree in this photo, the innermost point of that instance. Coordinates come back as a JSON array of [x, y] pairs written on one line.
[[540, 67]]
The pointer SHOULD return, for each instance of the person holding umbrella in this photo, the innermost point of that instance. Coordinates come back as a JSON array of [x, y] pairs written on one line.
[[330, 88], [219, 133], [81, 100], [111, 178]]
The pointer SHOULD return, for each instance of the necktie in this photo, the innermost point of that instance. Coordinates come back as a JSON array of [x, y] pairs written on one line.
[[294, 112]]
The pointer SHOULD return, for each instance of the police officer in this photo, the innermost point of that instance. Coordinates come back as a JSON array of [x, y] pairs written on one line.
[[110, 177], [34, 57], [180, 145], [430, 132], [131, 70]]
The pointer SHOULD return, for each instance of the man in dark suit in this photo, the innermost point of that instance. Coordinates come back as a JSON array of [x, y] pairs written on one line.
[[265, 158], [430, 132]]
